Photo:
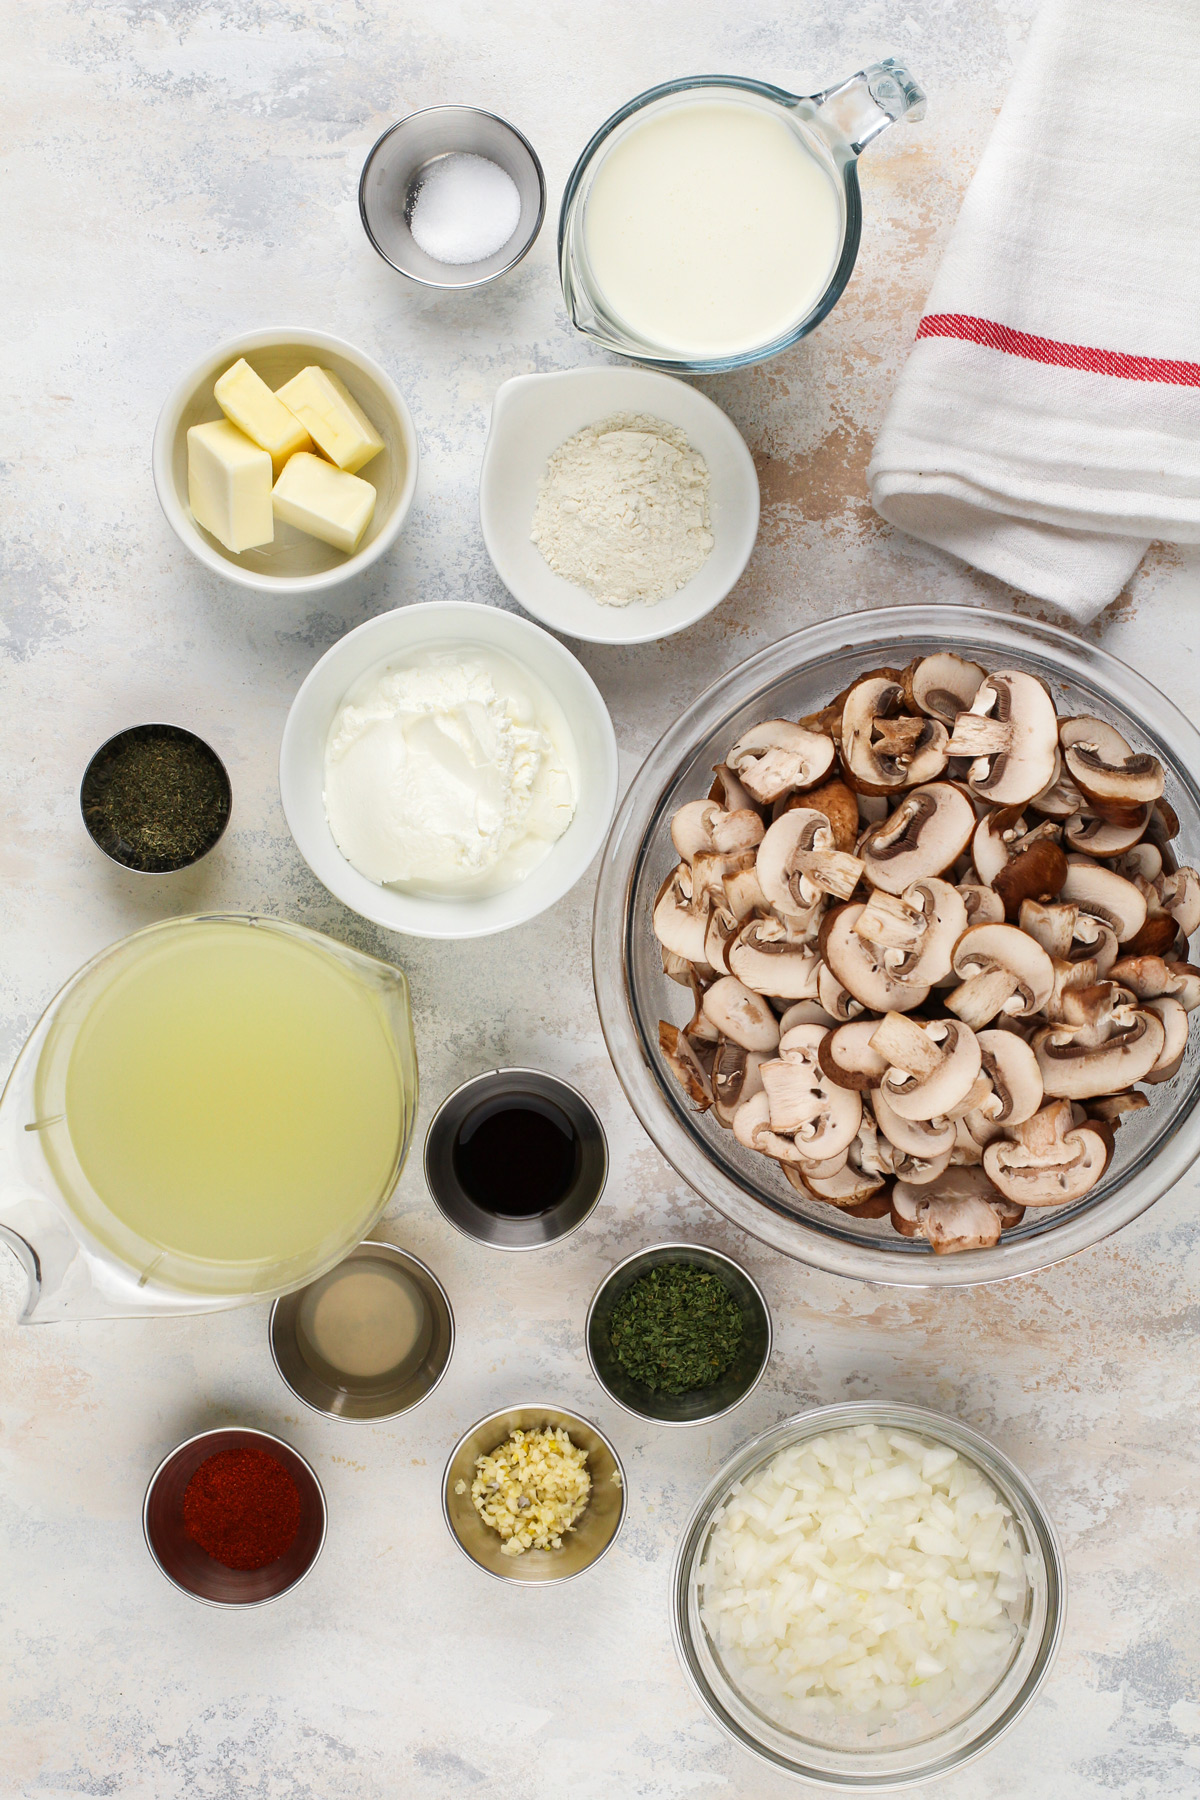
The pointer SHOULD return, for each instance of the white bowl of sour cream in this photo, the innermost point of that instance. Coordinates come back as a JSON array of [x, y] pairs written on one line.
[[532, 417], [448, 770]]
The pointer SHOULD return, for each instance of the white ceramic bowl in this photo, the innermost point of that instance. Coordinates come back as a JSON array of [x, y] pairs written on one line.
[[531, 416], [387, 639], [295, 563]]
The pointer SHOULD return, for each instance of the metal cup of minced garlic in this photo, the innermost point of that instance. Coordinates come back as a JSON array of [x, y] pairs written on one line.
[[534, 1494]]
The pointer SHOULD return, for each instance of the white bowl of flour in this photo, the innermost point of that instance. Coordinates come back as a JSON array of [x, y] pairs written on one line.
[[538, 467]]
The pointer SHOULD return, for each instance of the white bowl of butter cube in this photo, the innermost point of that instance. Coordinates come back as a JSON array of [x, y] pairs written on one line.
[[286, 461]]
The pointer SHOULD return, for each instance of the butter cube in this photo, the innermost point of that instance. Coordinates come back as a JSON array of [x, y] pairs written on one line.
[[324, 501], [229, 486], [247, 402], [334, 420]]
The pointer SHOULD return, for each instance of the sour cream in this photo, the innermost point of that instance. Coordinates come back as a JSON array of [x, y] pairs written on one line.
[[453, 771]]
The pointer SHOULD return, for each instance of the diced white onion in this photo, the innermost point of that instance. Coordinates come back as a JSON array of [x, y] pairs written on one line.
[[858, 1572]]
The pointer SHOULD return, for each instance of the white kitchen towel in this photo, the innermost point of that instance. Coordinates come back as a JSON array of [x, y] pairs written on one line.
[[1046, 425]]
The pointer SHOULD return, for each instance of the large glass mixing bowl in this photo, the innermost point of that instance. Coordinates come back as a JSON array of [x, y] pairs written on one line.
[[1154, 1147]]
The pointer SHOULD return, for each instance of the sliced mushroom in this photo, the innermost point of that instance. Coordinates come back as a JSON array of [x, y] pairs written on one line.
[[923, 1138], [1117, 782], [850, 1187], [777, 757], [1048, 1161], [742, 895], [1175, 1026], [686, 1064], [932, 1068], [1011, 733], [1090, 835], [719, 933], [882, 749], [735, 1077], [839, 804], [766, 959], [1180, 894], [836, 1000], [943, 685], [1112, 1108], [961, 1210], [804, 1104], [1108, 1044], [1012, 1068], [691, 828], [984, 906], [740, 1014], [927, 832], [797, 862], [752, 1127], [679, 925], [916, 930], [1149, 977], [860, 967], [1002, 970], [1106, 895], [847, 1058]]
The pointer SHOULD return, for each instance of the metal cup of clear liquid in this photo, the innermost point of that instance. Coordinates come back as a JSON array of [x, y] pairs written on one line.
[[714, 221]]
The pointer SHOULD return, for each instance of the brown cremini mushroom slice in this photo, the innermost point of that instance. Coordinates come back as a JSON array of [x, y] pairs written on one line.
[[984, 906], [728, 791], [767, 959], [777, 757], [960, 1211], [797, 862], [1002, 970], [1012, 1068], [806, 1012], [849, 1188], [1106, 895], [1035, 870], [924, 836], [1089, 835], [734, 1077], [932, 1068], [1144, 861], [1048, 1161], [1060, 799], [836, 1000], [1104, 1044], [992, 843], [702, 826], [678, 968], [1179, 893], [679, 925], [1112, 1108], [860, 968], [884, 749], [923, 1138], [839, 804], [721, 929], [686, 1064], [752, 1127], [1150, 976], [846, 1056], [742, 895], [1068, 935], [1117, 782], [740, 1014], [942, 685], [711, 869], [1175, 1026], [1011, 733], [822, 1118], [916, 930]]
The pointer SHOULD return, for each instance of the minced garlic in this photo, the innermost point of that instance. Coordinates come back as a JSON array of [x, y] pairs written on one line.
[[531, 1489]]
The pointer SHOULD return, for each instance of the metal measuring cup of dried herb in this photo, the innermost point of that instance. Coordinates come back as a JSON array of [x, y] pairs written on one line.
[[155, 798], [678, 1333]]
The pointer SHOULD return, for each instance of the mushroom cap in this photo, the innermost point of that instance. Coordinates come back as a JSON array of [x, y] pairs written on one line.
[[839, 803], [806, 1012], [984, 949], [1048, 1161], [1076, 1070], [1117, 781], [878, 760], [1035, 870], [740, 1014], [765, 958], [1015, 759], [846, 1056], [777, 757], [860, 970], [1106, 895], [931, 1068], [926, 833], [943, 685]]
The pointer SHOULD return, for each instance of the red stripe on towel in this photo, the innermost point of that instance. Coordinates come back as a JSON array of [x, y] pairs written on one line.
[[1064, 356]]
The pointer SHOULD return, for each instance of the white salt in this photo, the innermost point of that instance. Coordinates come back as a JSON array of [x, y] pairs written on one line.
[[465, 209]]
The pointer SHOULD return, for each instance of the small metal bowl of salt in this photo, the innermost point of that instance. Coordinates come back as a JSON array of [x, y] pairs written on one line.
[[452, 197]]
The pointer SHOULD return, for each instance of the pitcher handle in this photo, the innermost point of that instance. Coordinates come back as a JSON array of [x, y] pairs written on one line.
[[862, 106]]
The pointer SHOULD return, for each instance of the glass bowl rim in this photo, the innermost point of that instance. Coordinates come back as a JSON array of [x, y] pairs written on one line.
[[838, 1415], [1164, 727]]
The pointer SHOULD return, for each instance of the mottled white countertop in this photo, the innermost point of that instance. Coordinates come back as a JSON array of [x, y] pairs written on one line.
[[178, 171]]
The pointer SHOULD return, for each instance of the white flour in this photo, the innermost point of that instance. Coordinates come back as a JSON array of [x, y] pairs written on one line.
[[622, 510]]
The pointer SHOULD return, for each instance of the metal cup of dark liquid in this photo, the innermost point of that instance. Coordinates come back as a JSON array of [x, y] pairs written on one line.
[[516, 1158]]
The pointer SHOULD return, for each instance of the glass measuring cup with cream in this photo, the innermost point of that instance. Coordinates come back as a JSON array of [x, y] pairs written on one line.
[[714, 221], [452, 771]]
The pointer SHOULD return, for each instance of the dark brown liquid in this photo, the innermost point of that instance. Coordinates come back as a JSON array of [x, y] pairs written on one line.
[[516, 1156]]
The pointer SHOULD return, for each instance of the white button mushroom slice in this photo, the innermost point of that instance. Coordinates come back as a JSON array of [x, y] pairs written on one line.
[[924, 836], [944, 685], [1002, 970], [1116, 780], [752, 1127], [871, 1152], [1175, 1026], [691, 828], [740, 1014], [970, 1135], [769, 961], [1089, 835], [924, 1138], [952, 1226], [679, 924], [1150, 976], [686, 1064], [917, 930], [1048, 1161], [932, 1067], [678, 968], [1180, 894], [777, 757], [796, 862], [735, 1077], [859, 966], [1115, 1045], [1106, 895], [884, 749], [1011, 731], [847, 1058], [806, 1012], [1016, 1080], [984, 905], [834, 998]]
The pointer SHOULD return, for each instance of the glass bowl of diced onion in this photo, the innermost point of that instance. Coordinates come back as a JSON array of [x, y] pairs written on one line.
[[868, 1596]]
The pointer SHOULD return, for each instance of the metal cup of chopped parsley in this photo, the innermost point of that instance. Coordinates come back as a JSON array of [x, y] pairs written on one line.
[[676, 1329]]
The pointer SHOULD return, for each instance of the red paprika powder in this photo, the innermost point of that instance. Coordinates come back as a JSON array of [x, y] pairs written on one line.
[[243, 1508]]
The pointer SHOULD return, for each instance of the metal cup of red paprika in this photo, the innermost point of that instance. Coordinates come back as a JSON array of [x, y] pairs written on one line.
[[234, 1517]]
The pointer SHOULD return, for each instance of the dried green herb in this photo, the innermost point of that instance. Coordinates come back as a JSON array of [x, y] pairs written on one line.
[[155, 798], [676, 1329]]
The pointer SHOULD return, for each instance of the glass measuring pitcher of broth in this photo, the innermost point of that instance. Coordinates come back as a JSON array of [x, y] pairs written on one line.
[[212, 1111], [714, 221]]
